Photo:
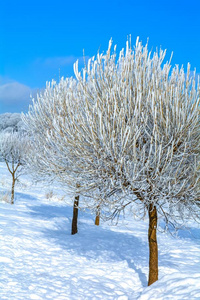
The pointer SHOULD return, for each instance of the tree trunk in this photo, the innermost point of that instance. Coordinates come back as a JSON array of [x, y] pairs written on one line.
[[13, 189], [153, 247], [75, 216], [97, 219]]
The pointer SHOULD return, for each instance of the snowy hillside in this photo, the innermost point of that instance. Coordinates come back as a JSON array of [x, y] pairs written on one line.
[[39, 259]]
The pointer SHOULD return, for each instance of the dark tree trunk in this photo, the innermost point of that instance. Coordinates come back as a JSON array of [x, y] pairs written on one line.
[[97, 220], [75, 216], [153, 246], [13, 189]]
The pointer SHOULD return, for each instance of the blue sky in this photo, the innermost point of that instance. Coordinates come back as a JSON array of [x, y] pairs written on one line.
[[40, 40]]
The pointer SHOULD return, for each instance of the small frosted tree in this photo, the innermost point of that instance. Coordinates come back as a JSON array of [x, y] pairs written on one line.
[[13, 150]]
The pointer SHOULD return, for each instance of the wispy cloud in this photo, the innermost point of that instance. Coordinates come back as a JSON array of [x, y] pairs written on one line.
[[61, 61]]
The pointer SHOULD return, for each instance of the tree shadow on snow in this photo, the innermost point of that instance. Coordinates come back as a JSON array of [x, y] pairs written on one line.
[[45, 211], [94, 242], [191, 233], [23, 196]]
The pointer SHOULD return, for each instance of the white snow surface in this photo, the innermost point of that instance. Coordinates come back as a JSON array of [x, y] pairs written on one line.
[[39, 259]]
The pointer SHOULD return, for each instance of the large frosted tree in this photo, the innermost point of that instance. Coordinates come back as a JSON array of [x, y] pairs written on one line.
[[125, 132]]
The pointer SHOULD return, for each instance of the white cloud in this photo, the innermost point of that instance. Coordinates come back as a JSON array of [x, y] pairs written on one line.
[[14, 96], [14, 92]]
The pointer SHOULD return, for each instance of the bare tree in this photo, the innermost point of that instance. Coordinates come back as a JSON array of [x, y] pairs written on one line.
[[13, 147], [125, 133]]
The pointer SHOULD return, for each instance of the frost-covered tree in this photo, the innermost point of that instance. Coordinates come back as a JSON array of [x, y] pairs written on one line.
[[125, 133], [45, 161], [139, 137], [10, 122], [13, 150]]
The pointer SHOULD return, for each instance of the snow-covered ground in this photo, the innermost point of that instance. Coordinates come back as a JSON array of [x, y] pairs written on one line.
[[39, 259]]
